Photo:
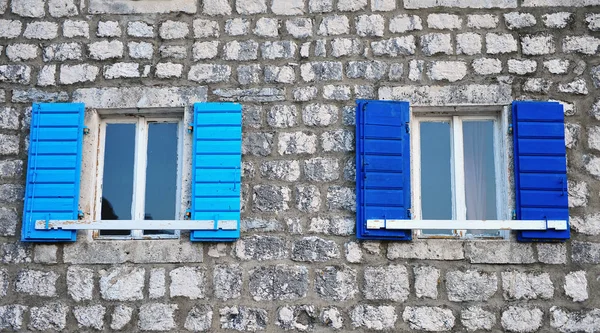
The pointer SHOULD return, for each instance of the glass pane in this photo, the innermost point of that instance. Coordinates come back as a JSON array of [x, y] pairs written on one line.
[[436, 174], [161, 174], [117, 182], [480, 173]]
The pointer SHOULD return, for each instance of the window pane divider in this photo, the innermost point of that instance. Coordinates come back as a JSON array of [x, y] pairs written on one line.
[[458, 173]]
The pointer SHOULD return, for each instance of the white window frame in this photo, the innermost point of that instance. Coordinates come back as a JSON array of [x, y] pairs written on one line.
[[456, 116], [139, 178]]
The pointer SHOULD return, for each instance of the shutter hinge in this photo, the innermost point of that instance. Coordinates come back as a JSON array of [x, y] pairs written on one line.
[[510, 129], [86, 130], [80, 215], [188, 214], [409, 213], [190, 128], [514, 214], [407, 126]]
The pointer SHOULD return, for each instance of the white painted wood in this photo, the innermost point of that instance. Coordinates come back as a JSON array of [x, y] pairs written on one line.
[[130, 224], [472, 224], [139, 174]]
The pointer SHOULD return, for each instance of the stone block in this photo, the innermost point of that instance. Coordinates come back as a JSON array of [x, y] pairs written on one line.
[[227, 282], [188, 282], [574, 321], [121, 70], [252, 94], [282, 116], [576, 286], [522, 319], [451, 71], [403, 23], [279, 74], [216, 7], [468, 43], [580, 44], [502, 252], [122, 283], [10, 28], [279, 282], [487, 66], [28, 8], [427, 279], [353, 252], [108, 29], [70, 74], [314, 249], [526, 286], [386, 283], [90, 316], [287, 7], [267, 27], [471, 285], [304, 94], [336, 283], [482, 21], [73, 29], [9, 144], [339, 226], [557, 20], [429, 318], [334, 25], [237, 26], [416, 4], [166, 70], [278, 50], [270, 198], [264, 225], [577, 87], [308, 198], [11, 317], [370, 25], [157, 284], [537, 85], [299, 27], [557, 66], [36, 283], [15, 74], [475, 318], [241, 318], [106, 50], [436, 43], [205, 28], [209, 73], [444, 21], [41, 30], [320, 114], [537, 44], [515, 20], [8, 218], [249, 7], [157, 317], [341, 198], [296, 143], [426, 249], [51, 316], [300, 317], [21, 52], [288, 171], [44, 254], [14, 253], [378, 318], [320, 6], [120, 317], [173, 30], [500, 43], [63, 51], [141, 7], [47, 76], [4, 281], [394, 47], [140, 29], [261, 248], [199, 319]]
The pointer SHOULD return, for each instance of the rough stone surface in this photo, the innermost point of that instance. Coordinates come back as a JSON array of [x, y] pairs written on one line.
[[569, 322], [11, 317], [377, 318], [499, 253], [487, 66], [426, 281], [241, 318], [10, 29], [227, 281], [337, 283], [576, 286], [557, 20], [403, 23], [471, 285], [444, 21], [425, 249], [28, 8], [261, 248], [518, 285], [188, 282], [90, 316], [122, 283], [500, 43], [280, 282], [386, 283], [80, 283], [121, 316], [516, 20], [475, 318], [332, 317], [157, 317], [36, 283], [429, 318], [482, 21], [521, 319], [436, 44], [199, 319], [51, 316]]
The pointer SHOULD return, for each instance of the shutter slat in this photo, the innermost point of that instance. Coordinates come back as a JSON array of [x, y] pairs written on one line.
[[382, 167], [217, 147], [53, 169], [540, 167]]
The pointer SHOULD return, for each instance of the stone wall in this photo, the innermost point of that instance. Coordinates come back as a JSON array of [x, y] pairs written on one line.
[[297, 66]]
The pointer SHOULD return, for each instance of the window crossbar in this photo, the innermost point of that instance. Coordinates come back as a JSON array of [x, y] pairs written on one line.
[[468, 224], [136, 224]]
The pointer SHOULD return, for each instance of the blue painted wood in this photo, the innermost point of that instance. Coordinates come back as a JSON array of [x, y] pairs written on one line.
[[53, 169], [540, 167], [382, 167], [216, 171]]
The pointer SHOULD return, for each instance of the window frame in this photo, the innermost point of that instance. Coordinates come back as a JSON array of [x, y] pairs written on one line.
[[502, 158], [142, 122]]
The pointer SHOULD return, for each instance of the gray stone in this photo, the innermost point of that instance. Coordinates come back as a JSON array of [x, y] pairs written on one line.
[[258, 144], [140, 29], [122, 70], [299, 317], [108, 29], [140, 50], [41, 30], [188, 282], [21, 52], [341, 47], [249, 74], [522, 319], [365, 91], [304, 94], [578, 87], [205, 28], [120, 317], [173, 51], [36, 95], [9, 119], [261, 248], [428, 318], [557, 66], [80, 283], [370, 70], [577, 321], [592, 165], [589, 224], [287, 7], [394, 47], [10, 29], [336, 92], [308, 198], [47, 76], [451, 71], [415, 4], [537, 85], [11, 193], [11, 317], [173, 30], [320, 114], [78, 73], [482, 21], [122, 283], [241, 318], [444, 21], [341, 198], [282, 116], [299, 27], [15, 74], [370, 25], [321, 71], [36, 283], [167, 70], [501, 252], [260, 225], [157, 317], [426, 281], [278, 50], [141, 6], [340, 226], [248, 7], [576, 286], [557, 20], [436, 43], [336, 283], [403, 23], [537, 44], [471, 285], [338, 140], [8, 218], [281, 170], [267, 27], [227, 281], [297, 143], [515, 20], [252, 94], [237, 26], [252, 116], [334, 25], [279, 282], [554, 254], [593, 22], [468, 43], [415, 70], [580, 44], [28, 8], [14, 253], [487, 66], [426, 249], [90, 316], [378, 318], [199, 319], [475, 318], [351, 5], [51, 316], [526, 286], [209, 73], [383, 5], [314, 249], [73, 29], [500, 43], [280, 74], [156, 284], [9, 144], [106, 50], [332, 317], [4, 281], [595, 74], [10, 168], [386, 283], [217, 7]]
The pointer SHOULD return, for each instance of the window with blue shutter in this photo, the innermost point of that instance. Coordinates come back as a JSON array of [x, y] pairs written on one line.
[[540, 167], [382, 168], [216, 155], [53, 170]]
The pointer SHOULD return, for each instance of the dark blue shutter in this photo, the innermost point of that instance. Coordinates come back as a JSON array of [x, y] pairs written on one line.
[[217, 152], [382, 167], [53, 170], [540, 167]]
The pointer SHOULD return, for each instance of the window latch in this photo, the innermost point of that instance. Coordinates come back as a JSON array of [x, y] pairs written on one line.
[[510, 129], [190, 128], [86, 130], [80, 215], [407, 126], [188, 214]]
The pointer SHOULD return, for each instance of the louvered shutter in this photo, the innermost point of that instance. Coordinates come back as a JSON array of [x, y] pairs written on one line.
[[53, 170], [382, 167], [217, 151], [540, 167]]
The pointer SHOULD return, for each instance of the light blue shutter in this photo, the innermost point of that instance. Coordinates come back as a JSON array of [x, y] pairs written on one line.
[[217, 153], [540, 167], [53, 170], [382, 167]]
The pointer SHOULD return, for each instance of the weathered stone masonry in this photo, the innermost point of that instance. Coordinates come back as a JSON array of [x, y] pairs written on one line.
[[297, 66]]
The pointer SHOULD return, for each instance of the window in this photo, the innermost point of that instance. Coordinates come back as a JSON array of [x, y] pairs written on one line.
[[135, 174], [445, 172], [140, 169], [456, 171]]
